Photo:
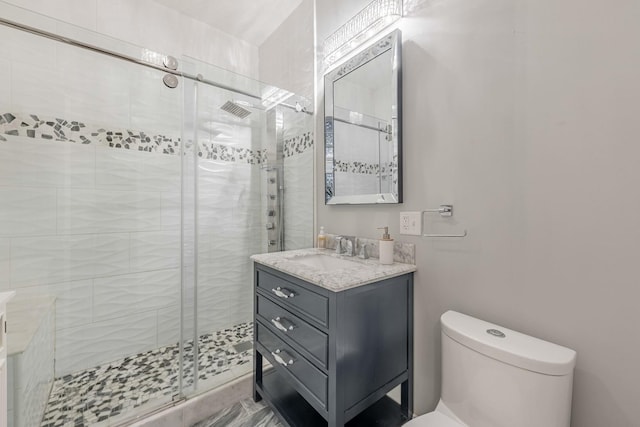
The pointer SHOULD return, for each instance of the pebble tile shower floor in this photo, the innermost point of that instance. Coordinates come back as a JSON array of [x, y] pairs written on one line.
[[95, 395]]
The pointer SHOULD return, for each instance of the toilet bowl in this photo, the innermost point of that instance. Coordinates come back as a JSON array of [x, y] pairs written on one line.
[[434, 419], [496, 377]]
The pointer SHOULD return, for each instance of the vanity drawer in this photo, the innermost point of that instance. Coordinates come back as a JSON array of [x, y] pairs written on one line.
[[308, 379], [314, 305], [294, 328]]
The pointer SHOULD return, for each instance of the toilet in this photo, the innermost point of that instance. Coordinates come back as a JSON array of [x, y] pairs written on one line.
[[496, 377]]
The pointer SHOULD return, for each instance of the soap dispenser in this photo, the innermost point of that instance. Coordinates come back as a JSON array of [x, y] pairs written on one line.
[[322, 239], [386, 247]]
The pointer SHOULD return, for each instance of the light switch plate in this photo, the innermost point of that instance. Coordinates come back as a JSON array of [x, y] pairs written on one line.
[[411, 223]]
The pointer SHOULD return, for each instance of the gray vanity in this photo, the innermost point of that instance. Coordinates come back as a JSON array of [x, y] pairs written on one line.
[[338, 333]]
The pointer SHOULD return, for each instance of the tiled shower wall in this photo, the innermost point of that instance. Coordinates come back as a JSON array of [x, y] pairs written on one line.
[[230, 224], [98, 228], [109, 249]]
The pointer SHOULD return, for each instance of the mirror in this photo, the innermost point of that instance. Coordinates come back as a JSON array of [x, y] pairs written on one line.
[[362, 126]]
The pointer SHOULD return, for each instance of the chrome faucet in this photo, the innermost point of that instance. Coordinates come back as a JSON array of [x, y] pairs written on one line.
[[364, 253], [346, 245]]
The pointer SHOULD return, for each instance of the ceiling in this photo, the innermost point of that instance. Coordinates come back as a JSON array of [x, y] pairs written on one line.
[[249, 20]]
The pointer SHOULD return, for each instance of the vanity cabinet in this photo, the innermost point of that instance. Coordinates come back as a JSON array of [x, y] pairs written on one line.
[[334, 353]]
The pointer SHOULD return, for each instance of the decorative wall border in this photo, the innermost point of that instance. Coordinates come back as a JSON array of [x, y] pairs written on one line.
[[225, 153], [298, 144], [57, 129]]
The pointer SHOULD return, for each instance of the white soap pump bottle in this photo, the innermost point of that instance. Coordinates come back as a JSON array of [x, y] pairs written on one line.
[[385, 247]]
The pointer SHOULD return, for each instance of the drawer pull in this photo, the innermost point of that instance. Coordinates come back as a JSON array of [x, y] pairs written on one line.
[[282, 359], [278, 323], [283, 292]]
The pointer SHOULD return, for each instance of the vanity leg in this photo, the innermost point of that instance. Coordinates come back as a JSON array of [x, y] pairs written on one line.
[[337, 421], [406, 399], [257, 373]]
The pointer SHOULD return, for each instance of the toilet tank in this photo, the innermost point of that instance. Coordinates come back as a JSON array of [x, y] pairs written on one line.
[[496, 377]]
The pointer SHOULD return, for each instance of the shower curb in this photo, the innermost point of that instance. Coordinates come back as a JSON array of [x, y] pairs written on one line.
[[189, 412]]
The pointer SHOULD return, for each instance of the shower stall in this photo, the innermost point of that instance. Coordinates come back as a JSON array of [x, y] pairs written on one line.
[[133, 189]]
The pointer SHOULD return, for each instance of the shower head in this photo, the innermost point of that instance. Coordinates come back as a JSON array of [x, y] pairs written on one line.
[[235, 109]]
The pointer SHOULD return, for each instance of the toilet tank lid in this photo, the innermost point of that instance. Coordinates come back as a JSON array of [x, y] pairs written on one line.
[[514, 348]]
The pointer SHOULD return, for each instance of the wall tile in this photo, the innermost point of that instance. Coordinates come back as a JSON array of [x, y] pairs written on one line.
[[77, 12], [36, 88], [155, 250], [118, 169], [154, 105], [100, 342], [27, 211], [298, 204], [121, 296], [168, 325], [5, 264], [43, 260], [224, 292], [5, 82], [84, 211], [73, 304], [95, 92], [131, 21], [171, 210], [28, 162], [28, 49], [225, 307], [218, 48]]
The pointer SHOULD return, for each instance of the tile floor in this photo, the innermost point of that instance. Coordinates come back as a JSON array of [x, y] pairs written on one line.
[[112, 390]]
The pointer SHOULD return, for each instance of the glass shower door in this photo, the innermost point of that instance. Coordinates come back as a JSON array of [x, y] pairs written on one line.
[[249, 175], [89, 227], [225, 130]]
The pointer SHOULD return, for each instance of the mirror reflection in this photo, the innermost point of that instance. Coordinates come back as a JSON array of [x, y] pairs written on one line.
[[362, 133]]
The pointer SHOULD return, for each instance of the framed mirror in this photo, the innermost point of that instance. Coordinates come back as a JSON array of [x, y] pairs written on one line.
[[363, 126]]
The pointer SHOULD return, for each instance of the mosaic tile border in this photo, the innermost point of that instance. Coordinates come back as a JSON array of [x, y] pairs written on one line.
[[111, 390], [298, 144], [213, 151], [57, 129], [364, 168]]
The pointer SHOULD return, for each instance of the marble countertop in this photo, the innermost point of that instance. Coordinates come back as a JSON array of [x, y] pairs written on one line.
[[363, 272]]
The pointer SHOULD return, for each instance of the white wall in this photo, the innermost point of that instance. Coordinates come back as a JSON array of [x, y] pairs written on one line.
[[524, 115]]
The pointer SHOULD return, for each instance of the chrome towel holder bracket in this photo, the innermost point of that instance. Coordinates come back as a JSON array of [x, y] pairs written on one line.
[[445, 211]]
